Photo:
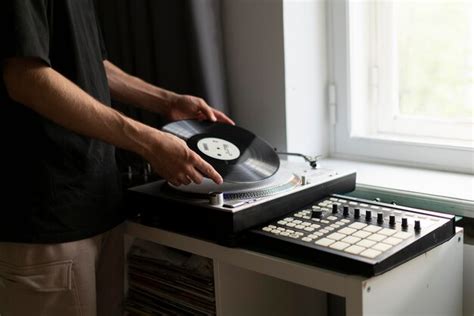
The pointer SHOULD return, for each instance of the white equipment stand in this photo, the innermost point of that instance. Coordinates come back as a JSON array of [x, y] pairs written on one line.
[[250, 283]]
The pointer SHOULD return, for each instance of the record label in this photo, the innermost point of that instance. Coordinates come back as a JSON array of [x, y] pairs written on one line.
[[218, 148], [238, 155]]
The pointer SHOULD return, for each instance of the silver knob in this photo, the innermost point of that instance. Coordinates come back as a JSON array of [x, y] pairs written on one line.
[[216, 198]]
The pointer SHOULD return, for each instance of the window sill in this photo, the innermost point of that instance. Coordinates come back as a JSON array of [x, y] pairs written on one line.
[[438, 190]]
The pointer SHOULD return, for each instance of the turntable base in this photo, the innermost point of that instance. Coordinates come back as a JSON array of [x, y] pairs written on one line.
[[190, 212]]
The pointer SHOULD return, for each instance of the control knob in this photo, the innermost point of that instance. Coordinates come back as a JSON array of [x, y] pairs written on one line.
[[380, 217], [356, 213], [334, 208], [216, 198], [391, 220], [404, 222], [316, 214], [345, 211], [368, 215], [417, 225]]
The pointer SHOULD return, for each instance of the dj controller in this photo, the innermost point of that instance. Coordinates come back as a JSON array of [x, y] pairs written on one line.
[[354, 235], [287, 209]]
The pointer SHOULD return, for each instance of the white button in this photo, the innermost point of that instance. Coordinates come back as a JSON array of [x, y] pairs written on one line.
[[330, 228], [333, 199], [361, 234], [370, 253], [299, 226], [306, 239], [336, 236], [297, 221], [387, 231], [324, 221], [353, 203], [351, 239], [335, 226], [291, 224], [376, 237], [374, 207], [381, 247], [294, 236], [315, 225], [354, 249], [392, 241], [332, 218], [289, 219], [364, 205], [266, 229], [357, 225], [347, 231], [276, 232], [339, 245], [342, 201], [324, 231], [272, 226], [345, 221], [282, 222], [309, 229], [372, 228], [366, 243], [324, 242], [284, 234], [305, 223], [402, 235], [298, 215]]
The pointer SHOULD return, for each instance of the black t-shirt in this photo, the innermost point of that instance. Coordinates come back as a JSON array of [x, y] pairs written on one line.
[[60, 186]]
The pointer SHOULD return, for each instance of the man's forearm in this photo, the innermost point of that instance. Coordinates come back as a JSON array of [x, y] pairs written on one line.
[[53, 96], [134, 91]]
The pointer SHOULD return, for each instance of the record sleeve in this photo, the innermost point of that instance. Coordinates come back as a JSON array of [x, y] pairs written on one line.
[[238, 155]]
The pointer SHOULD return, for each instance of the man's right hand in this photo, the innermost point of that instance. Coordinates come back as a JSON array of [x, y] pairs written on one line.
[[172, 159]]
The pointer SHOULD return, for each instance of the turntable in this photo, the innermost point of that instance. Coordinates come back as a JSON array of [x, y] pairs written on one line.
[[257, 187]]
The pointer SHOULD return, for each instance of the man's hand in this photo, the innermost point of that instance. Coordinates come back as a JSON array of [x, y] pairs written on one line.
[[171, 158], [183, 107]]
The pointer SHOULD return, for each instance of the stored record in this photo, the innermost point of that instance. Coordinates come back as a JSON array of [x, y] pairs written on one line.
[[237, 154]]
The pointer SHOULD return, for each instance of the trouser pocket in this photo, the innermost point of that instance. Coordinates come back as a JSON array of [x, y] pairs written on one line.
[[43, 289]]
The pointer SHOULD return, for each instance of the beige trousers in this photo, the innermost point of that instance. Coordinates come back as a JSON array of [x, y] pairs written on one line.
[[80, 278]]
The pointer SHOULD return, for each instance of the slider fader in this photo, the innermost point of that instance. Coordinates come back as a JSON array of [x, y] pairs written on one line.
[[354, 235]]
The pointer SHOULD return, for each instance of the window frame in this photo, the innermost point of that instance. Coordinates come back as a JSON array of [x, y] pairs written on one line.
[[349, 136]]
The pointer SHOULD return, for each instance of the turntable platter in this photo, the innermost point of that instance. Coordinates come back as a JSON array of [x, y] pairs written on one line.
[[281, 181]]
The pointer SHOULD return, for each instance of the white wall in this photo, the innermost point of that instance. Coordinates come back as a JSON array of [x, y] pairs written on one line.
[[253, 42], [306, 76], [276, 66]]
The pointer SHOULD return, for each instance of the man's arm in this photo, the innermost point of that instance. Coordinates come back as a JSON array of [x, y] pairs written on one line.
[[47, 92], [134, 91]]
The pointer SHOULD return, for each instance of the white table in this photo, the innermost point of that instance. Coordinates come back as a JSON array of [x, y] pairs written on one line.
[[250, 283]]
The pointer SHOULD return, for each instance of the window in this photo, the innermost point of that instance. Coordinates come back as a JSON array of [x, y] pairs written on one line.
[[403, 73]]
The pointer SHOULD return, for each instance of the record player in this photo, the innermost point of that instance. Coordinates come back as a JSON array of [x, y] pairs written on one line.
[[258, 187]]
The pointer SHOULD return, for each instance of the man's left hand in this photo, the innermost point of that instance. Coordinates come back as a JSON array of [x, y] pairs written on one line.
[[189, 107]]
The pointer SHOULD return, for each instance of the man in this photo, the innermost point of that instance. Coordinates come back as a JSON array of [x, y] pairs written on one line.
[[60, 241]]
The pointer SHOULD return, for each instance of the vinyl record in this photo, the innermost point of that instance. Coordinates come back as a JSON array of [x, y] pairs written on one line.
[[238, 155]]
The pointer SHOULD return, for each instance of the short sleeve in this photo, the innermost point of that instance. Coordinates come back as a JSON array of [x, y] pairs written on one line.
[[24, 29]]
